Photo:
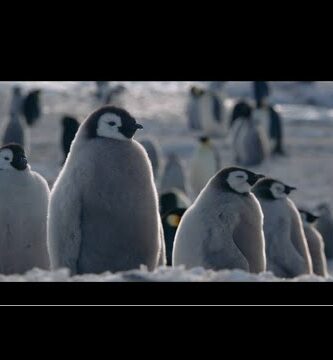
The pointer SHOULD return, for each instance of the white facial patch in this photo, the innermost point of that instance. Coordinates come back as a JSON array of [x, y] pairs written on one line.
[[108, 125], [6, 157], [278, 191], [237, 180]]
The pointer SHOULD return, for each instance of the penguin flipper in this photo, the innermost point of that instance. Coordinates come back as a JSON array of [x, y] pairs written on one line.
[[222, 252]]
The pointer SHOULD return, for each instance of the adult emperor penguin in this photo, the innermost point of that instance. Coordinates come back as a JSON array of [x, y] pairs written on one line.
[[250, 142], [16, 102], [173, 175], [286, 246], [24, 200], [325, 227], [154, 154], [205, 163], [315, 243], [103, 213], [70, 127], [205, 111], [16, 131], [172, 200], [223, 229]]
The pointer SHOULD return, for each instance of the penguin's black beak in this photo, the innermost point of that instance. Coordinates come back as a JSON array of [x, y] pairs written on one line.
[[138, 127], [289, 189]]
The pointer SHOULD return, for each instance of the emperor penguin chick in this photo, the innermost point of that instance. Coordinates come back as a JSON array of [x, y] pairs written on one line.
[[174, 175], [315, 243], [103, 213], [287, 250], [24, 200], [223, 229], [206, 162]]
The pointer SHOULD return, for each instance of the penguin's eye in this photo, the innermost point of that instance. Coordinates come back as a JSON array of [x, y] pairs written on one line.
[[112, 123], [240, 177], [6, 158]]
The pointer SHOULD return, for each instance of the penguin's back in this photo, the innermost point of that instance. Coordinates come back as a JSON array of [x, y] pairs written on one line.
[[119, 210]]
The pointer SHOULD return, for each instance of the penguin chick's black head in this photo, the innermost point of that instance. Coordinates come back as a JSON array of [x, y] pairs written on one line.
[[241, 110], [204, 139], [13, 156], [309, 217], [111, 122], [197, 92], [236, 179], [272, 189]]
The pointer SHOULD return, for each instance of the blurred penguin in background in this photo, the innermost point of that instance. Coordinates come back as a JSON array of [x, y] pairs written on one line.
[[107, 94], [205, 111], [173, 175], [268, 116], [206, 162], [173, 205], [250, 142], [16, 131], [154, 154], [70, 126], [261, 90], [242, 109], [16, 101], [172, 200], [193, 110], [31, 107], [315, 243], [325, 227]]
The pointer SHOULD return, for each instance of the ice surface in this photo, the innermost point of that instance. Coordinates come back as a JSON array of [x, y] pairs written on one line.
[[160, 107]]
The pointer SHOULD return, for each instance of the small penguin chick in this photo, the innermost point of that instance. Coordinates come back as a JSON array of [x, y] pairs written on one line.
[[112, 122], [12, 157], [236, 179], [272, 189]]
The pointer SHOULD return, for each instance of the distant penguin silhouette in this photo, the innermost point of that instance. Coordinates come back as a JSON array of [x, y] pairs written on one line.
[[24, 200], [16, 131], [173, 175], [172, 200], [315, 243], [103, 212], [261, 90], [205, 112], [31, 107], [242, 109], [154, 154], [325, 227], [250, 142], [287, 250], [16, 102], [70, 126], [193, 110], [223, 229], [171, 221], [205, 163]]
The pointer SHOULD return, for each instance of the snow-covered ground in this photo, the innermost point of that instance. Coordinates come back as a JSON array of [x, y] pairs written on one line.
[[160, 107]]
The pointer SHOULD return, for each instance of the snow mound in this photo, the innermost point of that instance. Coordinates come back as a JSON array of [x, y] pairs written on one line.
[[162, 274]]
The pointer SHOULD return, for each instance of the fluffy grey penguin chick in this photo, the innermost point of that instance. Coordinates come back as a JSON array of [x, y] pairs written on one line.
[[223, 229], [315, 243], [174, 175], [103, 213], [325, 227], [287, 250], [24, 198]]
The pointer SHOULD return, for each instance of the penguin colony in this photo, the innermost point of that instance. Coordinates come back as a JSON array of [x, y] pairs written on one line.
[[114, 207]]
